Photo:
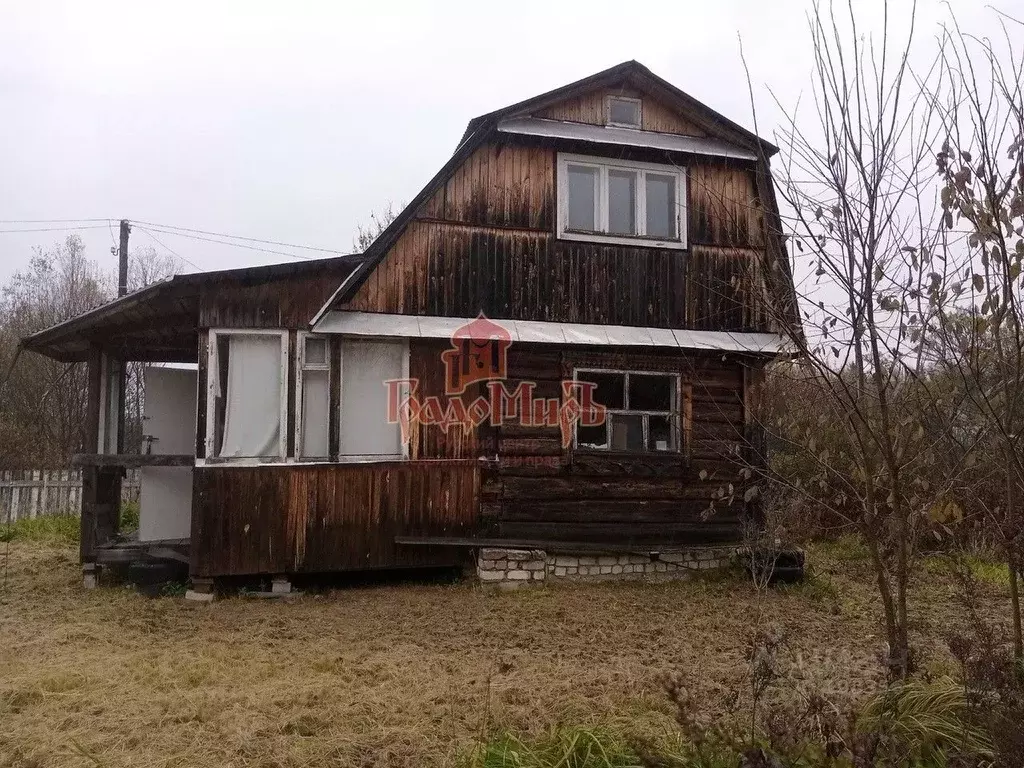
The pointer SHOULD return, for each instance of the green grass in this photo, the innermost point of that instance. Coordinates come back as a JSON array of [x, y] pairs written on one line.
[[983, 569], [130, 516], [59, 529], [62, 528], [848, 548]]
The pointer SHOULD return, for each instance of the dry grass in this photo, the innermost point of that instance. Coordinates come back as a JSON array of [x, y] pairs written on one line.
[[405, 674]]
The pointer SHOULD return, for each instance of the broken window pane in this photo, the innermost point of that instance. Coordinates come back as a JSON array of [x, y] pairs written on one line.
[[582, 187], [651, 393], [661, 434], [592, 437], [611, 388]]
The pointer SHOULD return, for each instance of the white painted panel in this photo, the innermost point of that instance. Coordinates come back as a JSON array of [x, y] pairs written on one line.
[[165, 503], [170, 410]]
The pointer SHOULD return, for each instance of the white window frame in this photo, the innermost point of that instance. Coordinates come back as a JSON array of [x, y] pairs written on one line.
[[301, 366], [675, 415], [354, 458], [213, 387], [603, 166], [608, 111]]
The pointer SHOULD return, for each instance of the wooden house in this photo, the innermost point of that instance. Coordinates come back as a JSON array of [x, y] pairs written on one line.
[[551, 353]]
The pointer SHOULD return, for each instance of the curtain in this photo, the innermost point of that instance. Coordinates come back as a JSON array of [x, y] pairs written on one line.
[[252, 413], [365, 366]]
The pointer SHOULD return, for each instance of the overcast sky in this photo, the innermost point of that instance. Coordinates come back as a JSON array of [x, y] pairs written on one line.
[[293, 121]]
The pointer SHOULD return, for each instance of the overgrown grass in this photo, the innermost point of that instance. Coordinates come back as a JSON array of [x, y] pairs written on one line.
[[847, 548], [56, 529], [984, 569], [926, 721], [565, 748], [130, 516]]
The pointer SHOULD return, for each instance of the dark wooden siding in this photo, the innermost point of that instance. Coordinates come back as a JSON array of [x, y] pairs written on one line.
[[288, 302], [541, 490], [485, 242], [322, 518]]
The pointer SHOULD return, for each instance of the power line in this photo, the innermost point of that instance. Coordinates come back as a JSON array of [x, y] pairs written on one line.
[[54, 229], [173, 252], [49, 221], [235, 245], [241, 237]]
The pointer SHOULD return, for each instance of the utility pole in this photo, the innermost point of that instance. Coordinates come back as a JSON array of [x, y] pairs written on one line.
[[122, 259]]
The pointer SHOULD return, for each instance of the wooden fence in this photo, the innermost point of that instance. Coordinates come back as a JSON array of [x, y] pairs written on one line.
[[34, 492]]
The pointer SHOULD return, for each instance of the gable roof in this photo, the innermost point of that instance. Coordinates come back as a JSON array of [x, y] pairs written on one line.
[[636, 74], [479, 128]]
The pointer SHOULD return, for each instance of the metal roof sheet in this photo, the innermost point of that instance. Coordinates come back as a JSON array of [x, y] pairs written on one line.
[[374, 324], [628, 137]]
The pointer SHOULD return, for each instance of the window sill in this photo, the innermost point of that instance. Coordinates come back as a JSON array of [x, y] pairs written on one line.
[[663, 455], [635, 240]]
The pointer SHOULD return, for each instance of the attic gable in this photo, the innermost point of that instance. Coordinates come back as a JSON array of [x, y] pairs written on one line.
[[592, 108], [671, 110]]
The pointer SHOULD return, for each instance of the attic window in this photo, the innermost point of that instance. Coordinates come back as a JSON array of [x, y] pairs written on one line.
[[623, 202], [623, 112]]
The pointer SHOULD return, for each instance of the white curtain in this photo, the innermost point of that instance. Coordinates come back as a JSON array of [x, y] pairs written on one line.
[[365, 366], [252, 413]]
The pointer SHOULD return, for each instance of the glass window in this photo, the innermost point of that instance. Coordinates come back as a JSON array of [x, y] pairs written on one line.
[[314, 429], [651, 393], [593, 437], [582, 204], [622, 202], [624, 112], [662, 434], [316, 351], [661, 206], [366, 367], [627, 432], [642, 412], [611, 388], [247, 408]]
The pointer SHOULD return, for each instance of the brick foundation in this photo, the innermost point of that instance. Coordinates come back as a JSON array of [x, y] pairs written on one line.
[[513, 568]]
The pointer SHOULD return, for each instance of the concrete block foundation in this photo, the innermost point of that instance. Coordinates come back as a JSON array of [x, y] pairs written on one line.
[[515, 568]]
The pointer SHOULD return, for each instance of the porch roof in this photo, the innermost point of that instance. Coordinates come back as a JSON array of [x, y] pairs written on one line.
[[583, 334], [158, 323]]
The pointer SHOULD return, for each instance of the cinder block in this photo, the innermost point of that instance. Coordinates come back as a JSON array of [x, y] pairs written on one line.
[[518, 575], [492, 575]]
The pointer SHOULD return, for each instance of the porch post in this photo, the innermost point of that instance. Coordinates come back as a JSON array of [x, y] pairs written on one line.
[[101, 486]]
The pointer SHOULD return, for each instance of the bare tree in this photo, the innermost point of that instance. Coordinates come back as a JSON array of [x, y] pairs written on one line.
[[979, 320], [855, 179], [43, 405], [365, 235]]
